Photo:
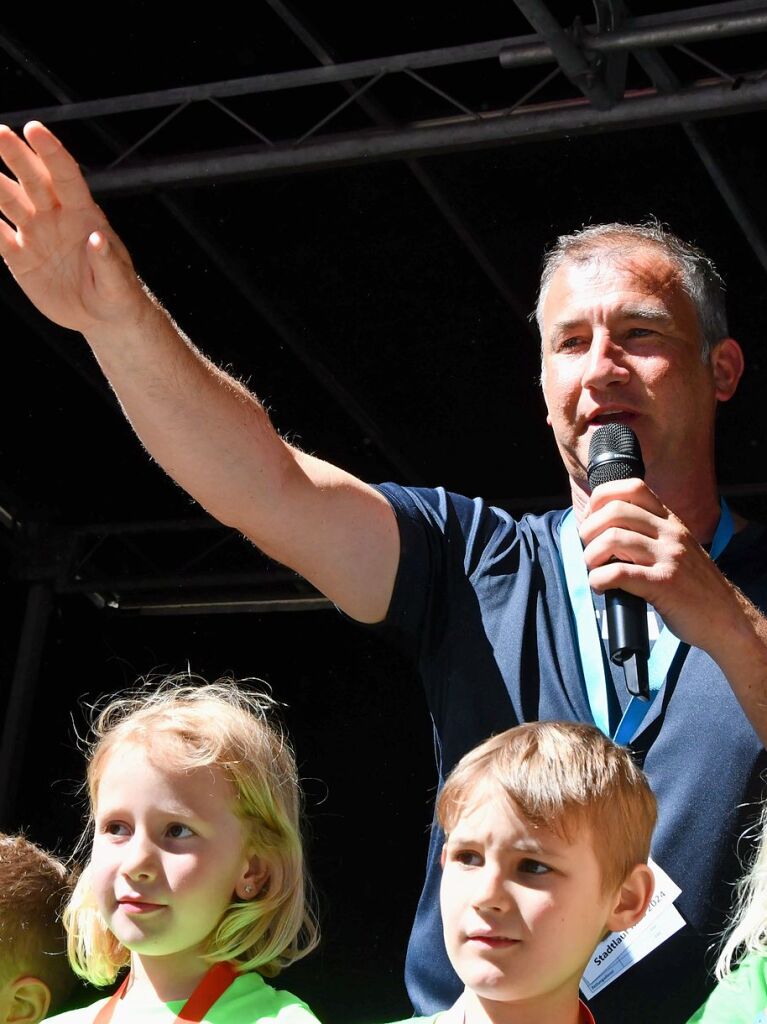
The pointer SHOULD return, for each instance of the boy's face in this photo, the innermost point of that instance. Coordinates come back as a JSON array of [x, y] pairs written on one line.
[[522, 908]]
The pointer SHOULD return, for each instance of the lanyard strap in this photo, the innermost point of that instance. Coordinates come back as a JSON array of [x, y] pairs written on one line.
[[209, 990], [589, 641]]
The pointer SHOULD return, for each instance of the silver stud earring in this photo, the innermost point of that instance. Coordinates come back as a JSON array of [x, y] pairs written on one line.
[[248, 890]]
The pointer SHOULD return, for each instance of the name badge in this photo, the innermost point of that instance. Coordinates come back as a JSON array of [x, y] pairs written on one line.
[[621, 950]]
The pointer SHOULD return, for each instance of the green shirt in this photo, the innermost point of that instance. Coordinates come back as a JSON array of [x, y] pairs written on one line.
[[248, 1000], [740, 997]]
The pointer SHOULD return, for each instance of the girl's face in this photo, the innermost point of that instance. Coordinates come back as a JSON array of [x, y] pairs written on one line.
[[169, 854]]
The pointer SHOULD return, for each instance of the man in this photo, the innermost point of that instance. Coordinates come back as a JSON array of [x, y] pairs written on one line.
[[632, 330]]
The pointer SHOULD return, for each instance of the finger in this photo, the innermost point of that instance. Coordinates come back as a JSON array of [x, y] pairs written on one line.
[[14, 203], [111, 270], [28, 169], [623, 515], [8, 241], [621, 546], [634, 579], [635, 491], [61, 167]]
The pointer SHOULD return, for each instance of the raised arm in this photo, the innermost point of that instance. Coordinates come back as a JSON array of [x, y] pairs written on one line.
[[207, 431]]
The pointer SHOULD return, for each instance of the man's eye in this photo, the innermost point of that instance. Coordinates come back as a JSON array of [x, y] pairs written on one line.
[[533, 867], [640, 332], [569, 343], [178, 831]]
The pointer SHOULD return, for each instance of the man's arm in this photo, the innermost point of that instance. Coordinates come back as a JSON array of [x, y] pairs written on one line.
[[206, 430], [633, 542]]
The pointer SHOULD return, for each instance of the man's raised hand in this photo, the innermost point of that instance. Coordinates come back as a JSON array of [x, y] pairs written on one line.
[[56, 242]]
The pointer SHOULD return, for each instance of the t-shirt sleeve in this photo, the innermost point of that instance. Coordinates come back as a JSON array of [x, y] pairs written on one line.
[[739, 998], [444, 538]]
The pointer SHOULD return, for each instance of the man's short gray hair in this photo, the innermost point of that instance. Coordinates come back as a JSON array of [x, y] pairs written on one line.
[[698, 275]]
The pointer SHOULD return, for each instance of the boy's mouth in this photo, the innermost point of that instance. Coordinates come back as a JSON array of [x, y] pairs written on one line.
[[493, 941]]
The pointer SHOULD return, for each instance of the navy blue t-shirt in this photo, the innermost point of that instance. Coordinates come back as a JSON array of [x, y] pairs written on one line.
[[481, 605]]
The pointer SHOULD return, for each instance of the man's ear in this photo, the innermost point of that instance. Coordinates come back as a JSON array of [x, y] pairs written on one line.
[[727, 366], [632, 899], [30, 1000], [443, 856], [253, 878]]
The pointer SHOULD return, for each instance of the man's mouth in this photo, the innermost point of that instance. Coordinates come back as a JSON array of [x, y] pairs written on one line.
[[616, 416]]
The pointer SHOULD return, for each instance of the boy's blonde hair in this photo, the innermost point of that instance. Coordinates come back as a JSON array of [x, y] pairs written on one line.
[[192, 725], [561, 775], [748, 930], [34, 886]]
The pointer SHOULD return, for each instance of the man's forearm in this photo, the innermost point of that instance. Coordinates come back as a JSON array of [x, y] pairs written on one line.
[[200, 424]]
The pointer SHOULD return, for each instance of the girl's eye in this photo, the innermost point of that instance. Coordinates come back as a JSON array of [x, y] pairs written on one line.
[[115, 828], [533, 867], [179, 831]]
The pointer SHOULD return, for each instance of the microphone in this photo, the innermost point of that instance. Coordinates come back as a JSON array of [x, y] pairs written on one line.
[[614, 454]]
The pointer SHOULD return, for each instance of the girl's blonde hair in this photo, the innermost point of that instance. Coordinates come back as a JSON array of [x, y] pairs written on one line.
[[748, 931], [196, 724]]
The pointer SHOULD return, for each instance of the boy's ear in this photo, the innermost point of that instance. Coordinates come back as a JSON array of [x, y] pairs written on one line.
[[632, 899], [253, 879], [30, 1000]]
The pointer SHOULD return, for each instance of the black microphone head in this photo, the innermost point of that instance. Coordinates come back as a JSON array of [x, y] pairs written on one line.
[[614, 454]]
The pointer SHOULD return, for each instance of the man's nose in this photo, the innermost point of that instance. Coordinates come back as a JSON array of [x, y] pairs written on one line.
[[604, 363]]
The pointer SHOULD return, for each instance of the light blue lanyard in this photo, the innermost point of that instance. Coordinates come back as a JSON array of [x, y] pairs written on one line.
[[589, 641]]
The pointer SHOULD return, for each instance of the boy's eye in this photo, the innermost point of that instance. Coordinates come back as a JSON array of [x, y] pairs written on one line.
[[533, 867], [178, 831], [468, 857]]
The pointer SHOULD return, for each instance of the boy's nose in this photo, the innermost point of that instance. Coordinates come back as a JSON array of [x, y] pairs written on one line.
[[492, 891]]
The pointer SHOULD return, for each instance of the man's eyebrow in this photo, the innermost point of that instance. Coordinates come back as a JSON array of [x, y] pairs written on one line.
[[654, 314]]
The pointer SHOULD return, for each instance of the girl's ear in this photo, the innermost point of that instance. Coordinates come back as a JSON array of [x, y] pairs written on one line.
[[253, 879], [632, 899], [29, 1003]]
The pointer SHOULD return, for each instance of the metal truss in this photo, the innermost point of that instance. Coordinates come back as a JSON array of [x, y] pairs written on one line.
[[578, 54]]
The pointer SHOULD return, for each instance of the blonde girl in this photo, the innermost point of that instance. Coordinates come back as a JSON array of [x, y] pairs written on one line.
[[741, 995], [196, 879]]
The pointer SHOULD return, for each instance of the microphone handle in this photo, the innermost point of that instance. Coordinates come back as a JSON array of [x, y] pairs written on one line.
[[628, 641]]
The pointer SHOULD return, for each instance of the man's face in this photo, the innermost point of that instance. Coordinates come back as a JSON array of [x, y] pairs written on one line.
[[522, 908], [621, 341]]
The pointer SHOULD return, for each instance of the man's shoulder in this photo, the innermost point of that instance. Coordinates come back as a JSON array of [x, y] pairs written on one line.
[[440, 505]]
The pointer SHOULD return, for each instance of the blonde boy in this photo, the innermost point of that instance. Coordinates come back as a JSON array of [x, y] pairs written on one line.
[[548, 829], [34, 972]]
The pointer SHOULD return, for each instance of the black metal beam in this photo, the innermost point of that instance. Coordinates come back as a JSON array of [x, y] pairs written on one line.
[[574, 117]]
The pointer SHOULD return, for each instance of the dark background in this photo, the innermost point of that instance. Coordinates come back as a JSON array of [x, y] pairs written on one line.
[[380, 311]]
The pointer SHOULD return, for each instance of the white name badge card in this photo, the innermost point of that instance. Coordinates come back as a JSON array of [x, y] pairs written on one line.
[[621, 950]]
